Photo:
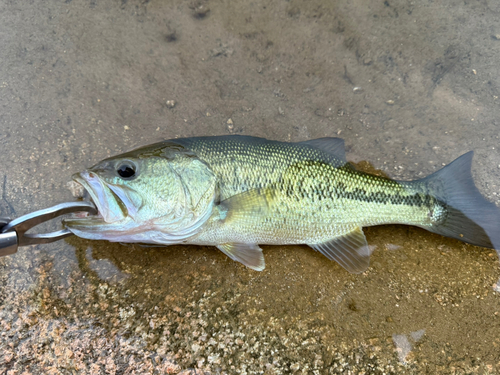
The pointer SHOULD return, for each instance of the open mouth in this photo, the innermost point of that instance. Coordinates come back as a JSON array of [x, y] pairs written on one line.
[[82, 192], [88, 186]]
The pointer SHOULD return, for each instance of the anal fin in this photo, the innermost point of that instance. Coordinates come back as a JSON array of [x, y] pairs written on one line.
[[351, 250], [248, 254]]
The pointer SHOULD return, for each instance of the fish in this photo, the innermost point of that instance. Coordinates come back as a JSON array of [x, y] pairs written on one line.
[[238, 192]]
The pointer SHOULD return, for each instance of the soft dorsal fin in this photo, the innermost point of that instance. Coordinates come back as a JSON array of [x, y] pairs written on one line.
[[248, 254], [330, 145], [351, 250]]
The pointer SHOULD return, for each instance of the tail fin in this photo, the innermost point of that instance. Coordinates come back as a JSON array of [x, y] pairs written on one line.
[[470, 217]]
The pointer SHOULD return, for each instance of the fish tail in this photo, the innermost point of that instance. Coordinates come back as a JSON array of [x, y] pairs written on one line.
[[466, 215]]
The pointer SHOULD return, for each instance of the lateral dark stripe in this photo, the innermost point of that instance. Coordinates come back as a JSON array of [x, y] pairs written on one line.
[[339, 190]]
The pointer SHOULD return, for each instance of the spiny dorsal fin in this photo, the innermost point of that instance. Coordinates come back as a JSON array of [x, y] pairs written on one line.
[[248, 254], [351, 250], [330, 145]]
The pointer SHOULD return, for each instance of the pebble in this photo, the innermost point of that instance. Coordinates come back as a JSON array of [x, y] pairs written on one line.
[[230, 125], [76, 189]]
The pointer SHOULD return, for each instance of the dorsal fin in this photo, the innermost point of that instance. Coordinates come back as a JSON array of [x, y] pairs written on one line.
[[330, 145]]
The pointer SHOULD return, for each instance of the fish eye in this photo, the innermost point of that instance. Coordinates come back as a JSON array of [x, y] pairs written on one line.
[[126, 170]]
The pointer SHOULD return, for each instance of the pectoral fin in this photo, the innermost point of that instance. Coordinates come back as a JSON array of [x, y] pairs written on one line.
[[248, 254], [351, 250], [247, 207]]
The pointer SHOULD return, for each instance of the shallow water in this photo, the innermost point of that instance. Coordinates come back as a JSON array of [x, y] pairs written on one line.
[[410, 86]]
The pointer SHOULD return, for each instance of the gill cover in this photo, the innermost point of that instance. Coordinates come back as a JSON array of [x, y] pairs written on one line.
[[158, 194]]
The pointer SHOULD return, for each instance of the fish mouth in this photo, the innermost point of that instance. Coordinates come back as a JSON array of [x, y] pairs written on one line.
[[110, 207]]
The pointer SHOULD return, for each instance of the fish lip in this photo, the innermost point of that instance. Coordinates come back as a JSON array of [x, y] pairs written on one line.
[[95, 188], [80, 179]]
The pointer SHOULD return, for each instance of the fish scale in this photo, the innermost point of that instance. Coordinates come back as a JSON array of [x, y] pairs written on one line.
[[236, 192], [317, 199]]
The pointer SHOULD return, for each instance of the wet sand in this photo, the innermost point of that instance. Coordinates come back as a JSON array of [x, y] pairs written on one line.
[[409, 86]]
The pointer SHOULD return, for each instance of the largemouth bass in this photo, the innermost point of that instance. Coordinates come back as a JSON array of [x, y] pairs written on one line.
[[236, 192]]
